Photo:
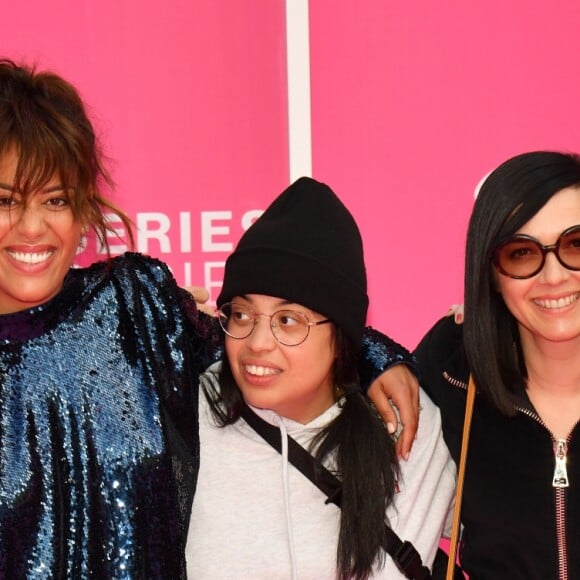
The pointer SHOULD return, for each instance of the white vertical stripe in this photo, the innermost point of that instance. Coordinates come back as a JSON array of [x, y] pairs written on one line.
[[298, 67]]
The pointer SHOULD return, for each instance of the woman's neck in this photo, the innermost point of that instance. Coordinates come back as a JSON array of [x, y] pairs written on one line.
[[553, 384]]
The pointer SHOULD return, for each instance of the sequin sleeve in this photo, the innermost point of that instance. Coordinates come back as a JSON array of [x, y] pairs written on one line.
[[378, 353], [163, 322], [205, 333]]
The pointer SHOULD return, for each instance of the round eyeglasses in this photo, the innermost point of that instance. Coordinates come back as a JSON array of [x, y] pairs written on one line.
[[522, 256], [289, 327]]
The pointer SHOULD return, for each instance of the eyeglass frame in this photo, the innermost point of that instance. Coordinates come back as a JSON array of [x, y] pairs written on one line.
[[544, 249], [255, 316]]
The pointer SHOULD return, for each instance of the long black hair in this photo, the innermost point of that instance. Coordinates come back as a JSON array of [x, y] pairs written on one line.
[[362, 453], [510, 196]]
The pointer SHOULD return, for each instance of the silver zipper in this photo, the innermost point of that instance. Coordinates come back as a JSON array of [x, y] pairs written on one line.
[[560, 473], [560, 497], [559, 482]]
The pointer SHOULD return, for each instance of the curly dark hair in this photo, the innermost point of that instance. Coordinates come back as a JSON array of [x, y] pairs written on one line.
[[44, 121]]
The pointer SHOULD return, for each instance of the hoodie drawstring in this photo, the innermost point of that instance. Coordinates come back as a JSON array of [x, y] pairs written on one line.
[[285, 483]]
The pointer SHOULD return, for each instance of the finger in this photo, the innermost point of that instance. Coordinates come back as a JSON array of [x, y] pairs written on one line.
[[456, 310], [453, 309], [386, 411], [406, 439], [199, 293], [410, 423]]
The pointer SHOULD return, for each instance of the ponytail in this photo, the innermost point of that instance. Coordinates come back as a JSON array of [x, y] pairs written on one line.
[[366, 463]]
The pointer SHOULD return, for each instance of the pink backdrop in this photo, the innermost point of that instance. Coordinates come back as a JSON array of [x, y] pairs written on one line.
[[411, 106]]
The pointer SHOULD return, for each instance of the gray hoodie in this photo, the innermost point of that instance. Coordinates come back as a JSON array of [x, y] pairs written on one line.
[[256, 516]]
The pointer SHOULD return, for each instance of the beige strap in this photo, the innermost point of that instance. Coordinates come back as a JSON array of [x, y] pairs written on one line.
[[460, 478]]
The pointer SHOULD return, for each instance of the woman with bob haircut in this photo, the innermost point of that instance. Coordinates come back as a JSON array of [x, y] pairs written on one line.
[[521, 343]]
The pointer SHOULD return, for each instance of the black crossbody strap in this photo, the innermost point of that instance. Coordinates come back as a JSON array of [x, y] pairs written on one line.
[[403, 553]]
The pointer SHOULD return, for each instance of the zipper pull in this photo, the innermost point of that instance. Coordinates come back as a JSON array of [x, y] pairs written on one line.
[[560, 472]]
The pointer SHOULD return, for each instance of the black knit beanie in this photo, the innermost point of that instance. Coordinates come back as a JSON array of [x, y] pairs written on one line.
[[305, 248]]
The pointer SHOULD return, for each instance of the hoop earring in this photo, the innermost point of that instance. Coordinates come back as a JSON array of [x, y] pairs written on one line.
[[82, 244]]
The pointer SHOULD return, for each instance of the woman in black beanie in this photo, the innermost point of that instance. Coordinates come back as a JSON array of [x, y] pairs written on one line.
[[293, 307]]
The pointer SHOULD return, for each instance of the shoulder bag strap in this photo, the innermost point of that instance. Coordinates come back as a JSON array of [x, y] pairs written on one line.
[[403, 553], [460, 478]]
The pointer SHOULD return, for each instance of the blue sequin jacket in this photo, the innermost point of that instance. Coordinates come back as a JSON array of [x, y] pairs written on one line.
[[99, 447]]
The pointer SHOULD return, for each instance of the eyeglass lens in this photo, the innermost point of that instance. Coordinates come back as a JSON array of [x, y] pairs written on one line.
[[288, 326], [523, 257]]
